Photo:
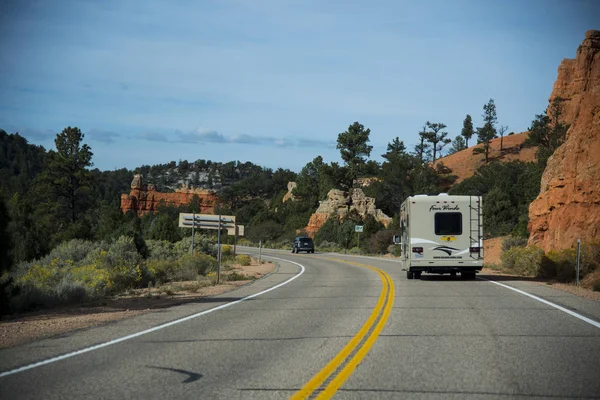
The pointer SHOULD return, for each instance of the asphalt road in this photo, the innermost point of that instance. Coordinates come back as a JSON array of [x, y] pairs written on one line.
[[432, 338]]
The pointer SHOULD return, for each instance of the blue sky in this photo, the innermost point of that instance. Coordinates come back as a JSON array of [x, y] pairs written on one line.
[[273, 82]]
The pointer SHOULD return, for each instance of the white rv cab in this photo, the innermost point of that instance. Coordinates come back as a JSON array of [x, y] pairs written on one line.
[[441, 234]]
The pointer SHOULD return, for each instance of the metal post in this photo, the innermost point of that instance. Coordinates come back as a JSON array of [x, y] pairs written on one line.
[[235, 229], [193, 225], [578, 259], [259, 251], [358, 244], [219, 251]]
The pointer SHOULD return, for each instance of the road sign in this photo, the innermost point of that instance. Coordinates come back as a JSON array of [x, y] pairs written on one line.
[[358, 228], [240, 231], [205, 221]]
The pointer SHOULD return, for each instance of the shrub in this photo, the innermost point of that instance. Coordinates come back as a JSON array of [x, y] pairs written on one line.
[[30, 297], [200, 264], [161, 271], [245, 242], [243, 259], [379, 242], [124, 264], [355, 250], [68, 291], [528, 261], [513, 241], [95, 281], [563, 264], [160, 250], [236, 276], [75, 250], [596, 285], [226, 250], [395, 250], [202, 244]]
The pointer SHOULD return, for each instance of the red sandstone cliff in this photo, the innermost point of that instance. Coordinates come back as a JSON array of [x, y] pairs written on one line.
[[144, 199], [568, 206]]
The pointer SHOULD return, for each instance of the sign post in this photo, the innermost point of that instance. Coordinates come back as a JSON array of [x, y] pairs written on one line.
[[208, 221], [358, 229], [578, 259]]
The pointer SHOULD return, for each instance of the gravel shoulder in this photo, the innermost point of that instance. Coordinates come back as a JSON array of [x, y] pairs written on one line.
[[24, 328]]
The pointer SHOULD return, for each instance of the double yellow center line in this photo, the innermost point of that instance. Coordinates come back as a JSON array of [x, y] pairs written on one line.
[[358, 345]]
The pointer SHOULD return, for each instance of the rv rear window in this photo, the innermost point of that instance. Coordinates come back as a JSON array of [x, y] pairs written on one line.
[[448, 224]]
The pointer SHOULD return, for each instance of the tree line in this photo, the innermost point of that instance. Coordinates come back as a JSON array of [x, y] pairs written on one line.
[[48, 197]]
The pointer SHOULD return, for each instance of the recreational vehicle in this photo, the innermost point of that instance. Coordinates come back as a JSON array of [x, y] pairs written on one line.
[[441, 234]]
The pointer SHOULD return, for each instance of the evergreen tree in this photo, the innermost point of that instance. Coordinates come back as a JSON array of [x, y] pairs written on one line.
[[437, 138], [422, 149], [467, 130], [488, 131], [458, 144], [548, 131], [354, 150], [66, 174], [394, 149]]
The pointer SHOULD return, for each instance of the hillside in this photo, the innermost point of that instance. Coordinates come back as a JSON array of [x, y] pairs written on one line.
[[464, 163]]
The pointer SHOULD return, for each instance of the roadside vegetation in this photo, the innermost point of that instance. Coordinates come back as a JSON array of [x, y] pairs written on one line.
[[556, 265], [65, 239]]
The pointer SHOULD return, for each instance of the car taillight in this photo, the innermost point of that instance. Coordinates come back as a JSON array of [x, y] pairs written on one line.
[[474, 249], [417, 249]]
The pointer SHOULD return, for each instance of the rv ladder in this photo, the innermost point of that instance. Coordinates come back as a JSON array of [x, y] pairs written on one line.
[[475, 227]]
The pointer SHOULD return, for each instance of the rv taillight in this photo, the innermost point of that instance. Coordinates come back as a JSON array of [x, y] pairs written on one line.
[[417, 250], [474, 249]]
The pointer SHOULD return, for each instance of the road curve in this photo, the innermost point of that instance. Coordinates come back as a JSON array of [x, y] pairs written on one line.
[[441, 338]]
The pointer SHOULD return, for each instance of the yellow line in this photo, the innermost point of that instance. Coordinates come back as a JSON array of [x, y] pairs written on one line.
[[345, 373], [322, 375], [386, 291]]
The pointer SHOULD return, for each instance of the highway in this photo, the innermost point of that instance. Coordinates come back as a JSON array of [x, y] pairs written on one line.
[[326, 325]]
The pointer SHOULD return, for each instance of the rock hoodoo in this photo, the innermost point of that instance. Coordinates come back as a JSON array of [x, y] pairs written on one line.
[[340, 203], [568, 206], [289, 195], [144, 199]]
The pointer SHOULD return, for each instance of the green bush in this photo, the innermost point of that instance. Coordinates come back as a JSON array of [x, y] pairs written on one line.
[[355, 250], [513, 241], [202, 263], [596, 285], [528, 261], [202, 244], [245, 242], [160, 250], [329, 246], [236, 276], [226, 250], [75, 250], [124, 264], [161, 271], [243, 259], [69, 291]]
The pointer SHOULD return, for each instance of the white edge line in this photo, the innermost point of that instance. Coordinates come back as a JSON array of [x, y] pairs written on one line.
[[572, 313], [156, 328]]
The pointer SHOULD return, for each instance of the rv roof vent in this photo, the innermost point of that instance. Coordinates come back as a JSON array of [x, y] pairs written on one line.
[[443, 194]]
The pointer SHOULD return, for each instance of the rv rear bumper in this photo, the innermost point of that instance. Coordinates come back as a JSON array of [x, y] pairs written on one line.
[[446, 270]]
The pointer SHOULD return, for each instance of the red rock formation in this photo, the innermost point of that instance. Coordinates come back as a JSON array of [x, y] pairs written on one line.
[[144, 199], [568, 207], [340, 204]]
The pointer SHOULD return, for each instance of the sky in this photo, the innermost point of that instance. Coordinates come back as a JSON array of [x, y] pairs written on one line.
[[274, 82]]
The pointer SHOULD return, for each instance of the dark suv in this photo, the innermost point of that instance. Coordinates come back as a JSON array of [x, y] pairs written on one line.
[[303, 243]]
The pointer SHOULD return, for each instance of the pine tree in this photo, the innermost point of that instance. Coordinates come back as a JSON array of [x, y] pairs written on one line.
[[467, 130]]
